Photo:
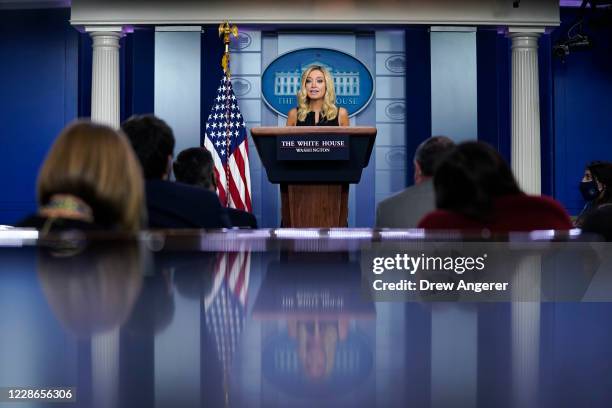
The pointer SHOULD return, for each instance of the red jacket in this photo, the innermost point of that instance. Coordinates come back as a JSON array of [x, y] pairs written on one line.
[[517, 212]]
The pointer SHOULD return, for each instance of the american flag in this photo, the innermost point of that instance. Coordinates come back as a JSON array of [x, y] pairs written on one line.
[[225, 305], [226, 138]]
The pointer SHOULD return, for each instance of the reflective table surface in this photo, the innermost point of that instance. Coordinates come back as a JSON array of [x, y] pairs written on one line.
[[282, 319]]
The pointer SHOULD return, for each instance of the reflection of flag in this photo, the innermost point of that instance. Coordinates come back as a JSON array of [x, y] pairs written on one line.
[[225, 305], [226, 138]]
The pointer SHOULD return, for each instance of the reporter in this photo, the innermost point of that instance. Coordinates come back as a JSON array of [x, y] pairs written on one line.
[[90, 179], [475, 189]]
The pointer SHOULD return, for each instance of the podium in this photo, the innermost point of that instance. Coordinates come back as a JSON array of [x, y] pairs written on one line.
[[314, 166]]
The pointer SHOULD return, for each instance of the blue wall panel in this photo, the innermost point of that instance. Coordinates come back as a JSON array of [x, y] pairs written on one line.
[[418, 93], [493, 67], [138, 67], [38, 54], [177, 83], [389, 154], [547, 136], [582, 111], [364, 207], [85, 60]]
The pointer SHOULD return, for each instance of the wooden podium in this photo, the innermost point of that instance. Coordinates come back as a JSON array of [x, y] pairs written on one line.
[[314, 190]]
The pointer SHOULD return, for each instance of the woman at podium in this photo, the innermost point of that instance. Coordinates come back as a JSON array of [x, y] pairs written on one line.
[[317, 101]]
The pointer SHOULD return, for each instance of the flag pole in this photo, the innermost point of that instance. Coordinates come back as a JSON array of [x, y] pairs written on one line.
[[226, 30]]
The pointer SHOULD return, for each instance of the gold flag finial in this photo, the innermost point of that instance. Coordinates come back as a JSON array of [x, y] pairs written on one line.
[[226, 30]]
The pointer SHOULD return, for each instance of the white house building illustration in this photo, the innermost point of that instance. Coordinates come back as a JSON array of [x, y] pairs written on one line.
[[287, 83]]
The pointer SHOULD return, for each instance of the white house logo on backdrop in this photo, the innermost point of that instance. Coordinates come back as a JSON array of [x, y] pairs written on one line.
[[242, 42], [241, 86], [353, 82], [396, 158], [396, 111], [396, 64]]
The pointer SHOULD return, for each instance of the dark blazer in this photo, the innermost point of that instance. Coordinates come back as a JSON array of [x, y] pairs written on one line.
[[178, 205], [241, 218]]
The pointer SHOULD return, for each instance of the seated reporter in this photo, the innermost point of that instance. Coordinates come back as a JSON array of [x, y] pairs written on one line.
[[90, 180], [195, 166], [475, 189], [169, 204], [595, 188]]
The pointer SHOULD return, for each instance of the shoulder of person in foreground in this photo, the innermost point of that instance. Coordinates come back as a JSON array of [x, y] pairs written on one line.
[[446, 220], [544, 210], [58, 224]]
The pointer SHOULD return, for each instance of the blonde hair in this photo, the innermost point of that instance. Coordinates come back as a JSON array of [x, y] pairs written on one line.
[[328, 333], [96, 164], [329, 109]]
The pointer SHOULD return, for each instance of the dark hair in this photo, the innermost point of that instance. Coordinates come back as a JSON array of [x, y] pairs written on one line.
[[595, 165], [602, 172], [430, 152], [470, 177], [195, 166], [152, 140]]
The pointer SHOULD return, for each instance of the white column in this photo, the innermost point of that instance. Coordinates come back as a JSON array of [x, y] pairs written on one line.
[[526, 159], [454, 355], [105, 75], [526, 317], [105, 368]]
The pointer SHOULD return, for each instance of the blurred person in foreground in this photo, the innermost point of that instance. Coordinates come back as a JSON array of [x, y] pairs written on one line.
[[91, 286], [405, 209], [90, 180], [195, 166], [169, 204], [595, 188], [475, 190]]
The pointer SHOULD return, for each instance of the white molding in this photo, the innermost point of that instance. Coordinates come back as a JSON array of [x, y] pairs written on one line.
[[319, 22], [459, 29], [178, 28], [104, 29], [321, 12], [526, 29]]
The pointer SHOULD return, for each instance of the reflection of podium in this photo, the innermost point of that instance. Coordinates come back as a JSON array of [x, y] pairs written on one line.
[[314, 181]]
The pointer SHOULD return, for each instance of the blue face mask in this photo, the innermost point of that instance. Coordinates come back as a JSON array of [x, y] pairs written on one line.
[[589, 190]]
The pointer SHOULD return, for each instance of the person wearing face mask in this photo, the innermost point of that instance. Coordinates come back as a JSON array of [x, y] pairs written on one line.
[[317, 101], [595, 188]]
